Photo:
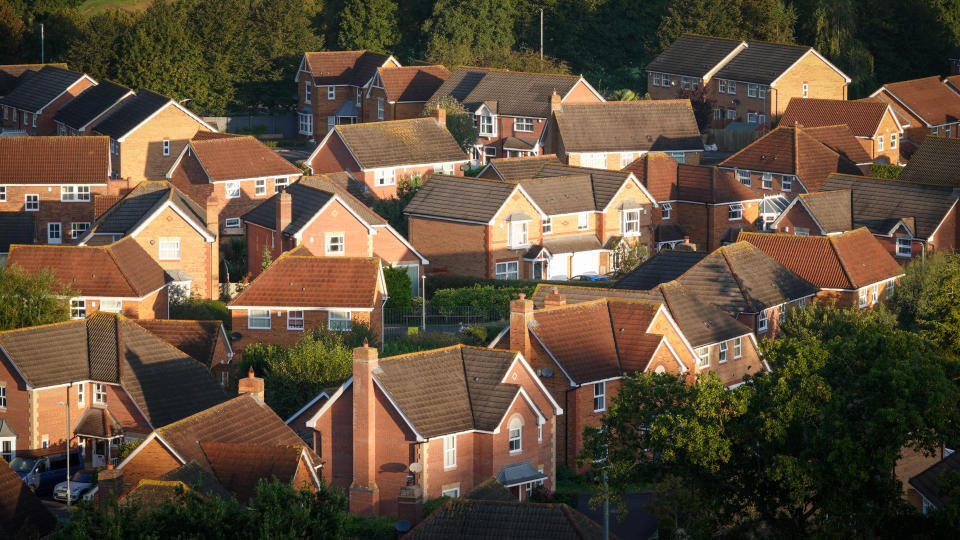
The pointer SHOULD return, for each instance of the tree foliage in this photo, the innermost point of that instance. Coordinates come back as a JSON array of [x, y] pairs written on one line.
[[927, 301], [369, 25], [31, 299], [392, 209], [459, 121], [399, 287], [12, 32], [461, 30]]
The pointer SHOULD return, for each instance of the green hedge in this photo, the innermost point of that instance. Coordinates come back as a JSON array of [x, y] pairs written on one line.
[[399, 288], [878, 170], [455, 281]]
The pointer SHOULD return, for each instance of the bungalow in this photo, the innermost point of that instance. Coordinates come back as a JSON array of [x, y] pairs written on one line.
[[873, 122], [32, 105], [88, 108], [400, 93]]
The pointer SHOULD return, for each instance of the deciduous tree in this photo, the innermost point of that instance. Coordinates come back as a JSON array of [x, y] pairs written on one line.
[[369, 25], [31, 299]]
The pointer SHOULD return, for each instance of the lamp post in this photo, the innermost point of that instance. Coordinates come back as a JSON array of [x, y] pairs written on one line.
[[423, 303], [67, 405]]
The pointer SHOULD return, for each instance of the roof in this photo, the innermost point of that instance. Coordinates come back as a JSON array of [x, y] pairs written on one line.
[[22, 514], [400, 142], [693, 55], [54, 160], [163, 382], [842, 141], [515, 474], [833, 210], [644, 125], [512, 93], [140, 205], [490, 490], [122, 269], [604, 183], [517, 168], [879, 200], [936, 161], [930, 483], [666, 266], [459, 197], [450, 390], [239, 157], [572, 244], [863, 117], [98, 422], [239, 467], [198, 478], [11, 74], [300, 281], [37, 91], [562, 194], [846, 261], [412, 83], [762, 62], [196, 338], [91, 103], [928, 97], [344, 67], [131, 113], [15, 228]]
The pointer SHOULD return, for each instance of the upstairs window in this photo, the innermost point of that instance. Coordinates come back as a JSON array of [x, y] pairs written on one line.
[[80, 394], [515, 434], [3, 193], [762, 93], [665, 209], [232, 223], [7, 451], [519, 234], [665, 80], [631, 222], [359, 97], [596, 160], [75, 193], [679, 157], [258, 319], [340, 321], [904, 247], [169, 250], [723, 352], [111, 305], [762, 321], [295, 320], [380, 109], [767, 180], [260, 187], [737, 348], [31, 202], [233, 190], [880, 143], [279, 184], [523, 124], [751, 90], [891, 287], [78, 308], [334, 244], [166, 147], [806, 90], [722, 86], [874, 293], [786, 182], [307, 91], [656, 82], [583, 221], [731, 87], [703, 356], [449, 451], [735, 211], [546, 226], [114, 147], [331, 93], [893, 141], [385, 177], [599, 396], [487, 127], [863, 297], [99, 393], [743, 177]]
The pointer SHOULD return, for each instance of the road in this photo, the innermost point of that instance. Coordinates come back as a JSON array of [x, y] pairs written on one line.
[[639, 523]]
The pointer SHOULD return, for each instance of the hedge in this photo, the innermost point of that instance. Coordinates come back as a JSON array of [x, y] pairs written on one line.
[[878, 170], [454, 281]]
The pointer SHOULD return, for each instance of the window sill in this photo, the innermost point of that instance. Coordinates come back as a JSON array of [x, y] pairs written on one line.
[[252, 328], [169, 260], [512, 452], [596, 411]]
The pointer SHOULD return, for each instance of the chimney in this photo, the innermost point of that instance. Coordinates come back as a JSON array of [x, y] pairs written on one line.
[[364, 492], [521, 313], [440, 115], [555, 102], [251, 385], [686, 245], [554, 299], [213, 214], [110, 486], [284, 210]]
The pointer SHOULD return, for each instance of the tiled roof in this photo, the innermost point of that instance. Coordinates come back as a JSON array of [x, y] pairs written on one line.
[[412, 83], [196, 338], [54, 160], [842, 141], [12, 74], [517, 168], [669, 231], [400, 142], [195, 476], [562, 195], [862, 117], [344, 67], [761, 62], [846, 261], [878, 200], [658, 172], [139, 205], [605, 183], [667, 180], [122, 269], [936, 161], [98, 422], [22, 514], [513, 93], [91, 103], [240, 466], [37, 91], [930, 483], [645, 125], [490, 490], [236, 158], [131, 113], [458, 197], [15, 228], [298, 281], [693, 55], [927, 97], [832, 209], [667, 265], [450, 390], [573, 243]]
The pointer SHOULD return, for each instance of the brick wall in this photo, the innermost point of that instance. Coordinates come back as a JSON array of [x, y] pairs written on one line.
[[460, 248], [720, 222], [278, 333], [151, 461], [44, 122], [52, 209], [391, 250], [52, 420], [18, 410], [258, 239], [822, 80], [335, 435], [198, 257], [141, 153], [337, 219], [798, 217]]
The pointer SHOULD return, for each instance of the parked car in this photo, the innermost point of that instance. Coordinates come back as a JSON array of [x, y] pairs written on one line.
[[82, 482], [43, 469], [590, 277]]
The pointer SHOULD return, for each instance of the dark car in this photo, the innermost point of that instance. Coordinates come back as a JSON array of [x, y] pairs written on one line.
[[43, 469]]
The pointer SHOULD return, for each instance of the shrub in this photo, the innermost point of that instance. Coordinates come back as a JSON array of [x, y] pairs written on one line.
[[370, 527], [198, 309], [479, 296], [880, 170], [421, 341], [474, 335], [399, 287]]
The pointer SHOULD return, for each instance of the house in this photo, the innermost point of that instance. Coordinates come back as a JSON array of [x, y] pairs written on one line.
[[147, 494], [381, 154], [22, 513], [177, 233], [237, 441], [116, 379], [117, 278], [147, 134], [565, 222], [936, 161], [511, 108], [34, 102], [434, 423], [873, 123], [298, 292], [400, 93], [931, 485], [205, 341], [852, 268], [737, 278], [11, 74], [239, 171], [330, 87], [15, 228], [56, 180], [928, 105], [321, 215], [748, 81], [908, 218], [517, 168], [79, 114], [612, 135]]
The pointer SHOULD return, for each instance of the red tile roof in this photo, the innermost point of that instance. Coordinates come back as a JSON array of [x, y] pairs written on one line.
[[658, 172], [331, 282], [862, 117], [928, 97], [236, 158], [412, 83], [240, 466], [840, 140], [344, 67], [54, 160]]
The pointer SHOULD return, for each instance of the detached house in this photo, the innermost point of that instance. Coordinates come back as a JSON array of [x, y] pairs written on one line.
[[749, 81], [511, 108], [927, 105], [381, 154], [399, 93], [873, 123], [92, 105], [32, 105]]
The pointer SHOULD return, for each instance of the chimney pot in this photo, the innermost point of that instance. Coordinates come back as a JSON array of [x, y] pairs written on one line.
[[523, 296], [252, 385]]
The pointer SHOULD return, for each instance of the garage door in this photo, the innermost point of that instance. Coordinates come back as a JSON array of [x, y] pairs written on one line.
[[586, 262], [558, 267]]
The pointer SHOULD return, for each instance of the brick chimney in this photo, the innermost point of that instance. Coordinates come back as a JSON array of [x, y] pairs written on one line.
[[251, 385], [554, 299], [555, 102], [686, 245], [440, 115], [364, 492], [110, 486], [521, 313], [284, 210], [213, 214]]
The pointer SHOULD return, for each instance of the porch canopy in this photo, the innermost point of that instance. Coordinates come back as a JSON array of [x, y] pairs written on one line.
[[97, 423], [518, 474]]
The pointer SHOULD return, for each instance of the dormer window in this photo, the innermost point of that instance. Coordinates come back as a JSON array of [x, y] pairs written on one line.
[[487, 127]]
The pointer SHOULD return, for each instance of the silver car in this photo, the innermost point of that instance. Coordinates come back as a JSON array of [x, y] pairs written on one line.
[[81, 482]]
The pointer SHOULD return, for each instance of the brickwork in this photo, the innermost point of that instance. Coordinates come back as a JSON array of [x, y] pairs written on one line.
[[720, 222], [43, 124], [52, 419], [459, 248], [335, 435], [280, 335], [141, 153], [391, 110], [18, 411], [618, 160], [151, 461], [198, 258], [322, 106], [52, 209]]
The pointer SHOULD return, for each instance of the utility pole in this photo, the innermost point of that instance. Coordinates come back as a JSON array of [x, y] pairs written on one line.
[[41, 45], [541, 33], [606, 507]]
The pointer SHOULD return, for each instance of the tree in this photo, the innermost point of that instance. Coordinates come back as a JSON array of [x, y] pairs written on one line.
[[12, 34], [399, 287], [459, 121], [32, 299], [462, 30], [628, 257], [97, 49], [266, 259], [392, 209], [927, 301], [701, 103], [369, 25], [718, 18]]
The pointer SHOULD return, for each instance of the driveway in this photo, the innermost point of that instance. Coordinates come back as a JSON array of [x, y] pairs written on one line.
[[57, 508], [294, 154], [639, 523]]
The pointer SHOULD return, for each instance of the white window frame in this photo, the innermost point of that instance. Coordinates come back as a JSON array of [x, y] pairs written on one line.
[[904, 242], [723, 353], [600, 396], [767, 180], [507, 269], [168, 246], [731, 114], [258, 319], [81, 397], [630, 222], [626, 158], [334, 244], [306, 124], [721, 86], [893, 141], [54, 232], [295, 320], [260, 187], [665, 209], [384, 177], [307, 92], [583, 221], [99, 393], [891, 288], [331, 93], [656, 79], [732, 87], [523, 124], [874, 294], [665, 80], [762, 119], [232, 223], [519, 234], [734, 212], [879, 143], [786, 182], [806, 90], [14, 116], [78, 228], [78, 308], [74, 193], [762, 92], [546, 226], [3, 193], [762, 321], [743, 177], [452, 493], [863, 297], [31, 202], [486, 125], [111, 305], [936, 130], [359, 99], [515, 436], [737, 348], [489, 152], [280, 183], [340, 321], [751, 117], [679, 157], [232, 190], [165, 147], [703, 356], [594, 160], [380, 109], [450, 452], [751, 90]]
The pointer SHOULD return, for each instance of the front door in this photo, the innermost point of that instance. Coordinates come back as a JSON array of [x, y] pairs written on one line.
[[53, 233], [99, 453]]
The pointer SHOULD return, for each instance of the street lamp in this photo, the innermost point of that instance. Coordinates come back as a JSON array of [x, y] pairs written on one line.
[[423, 303], [67, 405]]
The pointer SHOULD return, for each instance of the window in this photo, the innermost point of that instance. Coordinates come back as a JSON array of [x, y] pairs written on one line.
[[723, 352], [801, 231], [114, 147], [665, 209], [80, 394], [519, 233], [891, 287], [232, 223], [489, 152], [260, 187], [169, 250], [507, 270], [862, 294], [599, 396], [743, 177], [295, 320], [3, 193], [341, 321], [703, 356], [166, 147], [731, 114], [583, 221], [31, 203], [751, 118], [656, 82], [331, 92], [279, 184], [78, 308], [893, 141], [731, 87], [449, 451], [8, 443], [874, 293], [111, 305], [44, 443], [626, 158], [99, 393], [53, 233], [14, 118], [597, 160], [33, 122], [26, 118], [307, 91], [664, 80], [904, 248], [359, 97], [751, 90], [333, 244], [331, 122], [936, 130], [486, 126], [880, 143], [718, 114], [679, 157], [737, 348], [947, 130], [530, 486], [735, 212], [547, 225], [782, 315], [385, 177], [258, 319], [77, 229], [762, 321], [233, 190], [762, 119], [306, 124], [722, 86], [523, 124], [74, 193], [806, 90], [763, 92], [802, 303], [3, 399], [786, 182], [452, 493], [767, 180], [516, 430], [379, 108], [631, 222]]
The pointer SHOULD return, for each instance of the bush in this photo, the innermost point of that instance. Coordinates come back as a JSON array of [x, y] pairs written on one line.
[[479, 296], [421, 341], [370, 527], [198, 309], [399, 287], [235, 256], [879, 170], [474, 335], [456, 281]]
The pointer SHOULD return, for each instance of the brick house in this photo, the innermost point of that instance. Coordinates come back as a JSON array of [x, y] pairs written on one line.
[[852, 268], [737, 278], [117, 379], [563, 222], [321, 215], [926, 106], [873, 123], [462, 414], [33, 103], [177, 233], [330, 88], [24, 514], [381, 154], [147, 133], [118, 278], [205, 341], [78, 115], [400, 93], [935, 161], [928, 490], [748, 81], [238, 170], [298, 292], [612, 135], [511, 108]]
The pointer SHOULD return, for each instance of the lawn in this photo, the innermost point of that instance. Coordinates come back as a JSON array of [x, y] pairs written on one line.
[[92, 7]]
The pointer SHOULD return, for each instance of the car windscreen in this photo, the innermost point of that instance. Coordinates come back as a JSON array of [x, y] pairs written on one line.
[[83, 476], [22, 465]]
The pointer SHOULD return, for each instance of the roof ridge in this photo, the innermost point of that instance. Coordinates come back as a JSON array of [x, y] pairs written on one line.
[[503, 70], [695, 34], [466, 385], [726, 257], [833, 247], [749, 41], [416, 353], [613, 334], [69, 321]]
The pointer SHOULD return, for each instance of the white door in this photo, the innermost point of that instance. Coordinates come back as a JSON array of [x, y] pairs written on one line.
[[99, 453], [586, 262], [558, 267], [53, 233]]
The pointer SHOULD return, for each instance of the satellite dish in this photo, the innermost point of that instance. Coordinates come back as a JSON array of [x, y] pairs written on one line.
[[546, 372], [416, 468], [235, 336]]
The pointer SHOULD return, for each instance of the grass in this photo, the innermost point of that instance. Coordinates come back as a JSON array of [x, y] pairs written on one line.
[[92, 7]]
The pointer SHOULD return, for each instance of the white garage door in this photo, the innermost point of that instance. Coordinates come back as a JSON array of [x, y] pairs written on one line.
[[558, 267], [586, 262]]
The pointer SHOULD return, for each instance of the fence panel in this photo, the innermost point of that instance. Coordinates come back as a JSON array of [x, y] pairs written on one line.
[[444, 315]]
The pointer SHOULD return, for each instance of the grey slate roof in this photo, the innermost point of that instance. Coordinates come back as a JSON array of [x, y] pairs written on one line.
[[605, 183], [666, 266], [562, 195], [141, 203], [15, 228], [936, 161], [645, 125], [517, 168], [831, 209], [90, 104], [462, 198], [507, 92], [761, 62], [930, 482], [879, 203], [13, 74], [37, 91], [400, 142], [693, 55], [519, 473], [133, 111]]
